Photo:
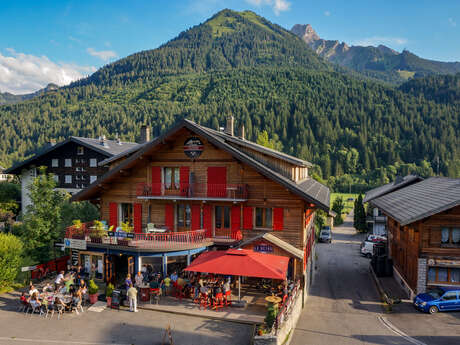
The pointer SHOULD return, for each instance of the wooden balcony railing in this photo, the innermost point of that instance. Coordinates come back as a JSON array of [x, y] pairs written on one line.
[[193, 190]]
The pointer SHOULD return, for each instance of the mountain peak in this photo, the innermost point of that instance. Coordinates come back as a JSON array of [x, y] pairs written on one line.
[[306, 32]]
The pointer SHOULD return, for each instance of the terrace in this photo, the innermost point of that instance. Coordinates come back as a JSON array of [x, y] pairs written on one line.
[[168, 241], [193, 191]]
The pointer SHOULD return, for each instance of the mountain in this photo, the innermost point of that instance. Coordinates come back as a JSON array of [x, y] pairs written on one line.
[[238, 63], [9, 98], [379, 62]]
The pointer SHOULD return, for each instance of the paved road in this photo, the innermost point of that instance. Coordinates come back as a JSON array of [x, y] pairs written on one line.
[[112, 327], [343, 306]]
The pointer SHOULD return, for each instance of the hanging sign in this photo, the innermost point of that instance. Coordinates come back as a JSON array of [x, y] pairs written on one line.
[[120, 234], [75, 244], [193, 147]]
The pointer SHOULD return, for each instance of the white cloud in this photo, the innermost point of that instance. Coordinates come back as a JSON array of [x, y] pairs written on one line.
[[23, 73], [278, 6], [376, 40], [327, 13], [102, 54], [452, 22]]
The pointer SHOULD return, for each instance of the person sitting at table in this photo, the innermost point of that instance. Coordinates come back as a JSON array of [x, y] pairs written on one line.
[[128, 281], [35, 301], [59, 303], [83, 288], [48, 288], [59, 279], [62, 289], [32, 290]]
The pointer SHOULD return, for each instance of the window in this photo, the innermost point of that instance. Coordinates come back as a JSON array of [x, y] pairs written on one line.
[[93, 162], [444, 275], [450, 236], [55, 163], [126, 213], [68, 162], [80, 150], [56, 178], [449, 296], [264, 217], [92, 178], [222, 217], [184, 216], [68, 179], [172, 178]]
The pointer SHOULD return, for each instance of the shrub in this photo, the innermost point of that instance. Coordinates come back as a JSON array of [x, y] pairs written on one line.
[[272, 311], [10, 258], [109, 290], [92, 287]]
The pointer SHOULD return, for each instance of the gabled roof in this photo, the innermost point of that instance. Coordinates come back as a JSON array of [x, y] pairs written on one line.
[[277, 242], [309, 190], [122, 154], [391, 187], [420, 200], [110, 148]]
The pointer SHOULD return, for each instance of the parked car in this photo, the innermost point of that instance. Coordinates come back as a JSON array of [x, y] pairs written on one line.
[[367, 248], [325, 235], [438, 299], [376, 238]]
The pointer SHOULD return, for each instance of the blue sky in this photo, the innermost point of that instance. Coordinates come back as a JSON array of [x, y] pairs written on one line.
[[60, 41]]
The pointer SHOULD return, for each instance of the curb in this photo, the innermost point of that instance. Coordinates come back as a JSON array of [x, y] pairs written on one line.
[[380, 289]]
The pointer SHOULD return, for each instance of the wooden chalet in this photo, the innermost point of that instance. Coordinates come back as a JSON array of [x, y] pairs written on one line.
[[193, 188], [424, 233]]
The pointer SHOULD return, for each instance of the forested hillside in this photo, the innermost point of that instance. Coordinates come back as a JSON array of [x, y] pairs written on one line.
[[358, 131], [440, 88]]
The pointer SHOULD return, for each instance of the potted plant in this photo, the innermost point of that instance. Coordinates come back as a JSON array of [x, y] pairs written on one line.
[[127, 228], [78, 229], [93, 290], [97, 231], [108, 294]]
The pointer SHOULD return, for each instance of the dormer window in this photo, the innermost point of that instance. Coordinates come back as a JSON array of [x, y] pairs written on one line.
[[80, 150]]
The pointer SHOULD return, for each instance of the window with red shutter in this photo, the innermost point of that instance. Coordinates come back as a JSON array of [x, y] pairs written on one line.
[[236, 217], [247, 218], [137, 218], [196, 217], [184, 180], [156, 180], [169, 216], [217, 182], [278, 221], [113, 215]]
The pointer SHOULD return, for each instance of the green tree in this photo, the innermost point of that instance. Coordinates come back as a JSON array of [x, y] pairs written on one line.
[[10, 258], [83, 211], [338, 206], [273, 143], [360, 215]]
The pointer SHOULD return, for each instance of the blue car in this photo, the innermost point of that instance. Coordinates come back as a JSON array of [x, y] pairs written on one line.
[[438, 299]]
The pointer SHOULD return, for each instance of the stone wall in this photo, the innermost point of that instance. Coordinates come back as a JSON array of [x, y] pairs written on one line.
[[421, 275]]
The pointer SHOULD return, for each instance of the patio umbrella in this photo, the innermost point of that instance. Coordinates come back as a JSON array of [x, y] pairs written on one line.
[[241, 262]]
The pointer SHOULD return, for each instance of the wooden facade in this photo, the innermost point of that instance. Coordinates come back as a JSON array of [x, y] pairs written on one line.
[[427, 252]]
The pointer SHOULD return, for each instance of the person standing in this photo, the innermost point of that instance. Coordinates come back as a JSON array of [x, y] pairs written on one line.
[[132, 296]]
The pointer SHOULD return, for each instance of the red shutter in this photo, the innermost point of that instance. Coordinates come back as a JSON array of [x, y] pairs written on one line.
[[236, 218], [137, 218], [169, 216], [217, 182], [184, 174], [278, 218], [207, 219], [156, 180], [113, 215], [247, 218], [196, 217]]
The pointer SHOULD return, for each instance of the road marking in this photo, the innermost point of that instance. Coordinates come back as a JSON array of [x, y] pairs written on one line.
[[47, 341], [397, 331]]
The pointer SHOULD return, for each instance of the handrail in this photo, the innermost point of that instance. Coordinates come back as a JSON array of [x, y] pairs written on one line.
[[283, 314], [193, 190]]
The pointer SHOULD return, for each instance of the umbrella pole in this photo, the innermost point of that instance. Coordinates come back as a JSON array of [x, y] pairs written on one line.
[[239, 288]]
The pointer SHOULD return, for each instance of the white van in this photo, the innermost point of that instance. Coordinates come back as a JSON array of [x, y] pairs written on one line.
[[367, 248]]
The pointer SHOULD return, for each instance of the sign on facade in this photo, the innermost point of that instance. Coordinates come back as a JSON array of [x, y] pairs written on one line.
[[74, 244], [120, 234], [193, 147], [263, 248], [28, 268]]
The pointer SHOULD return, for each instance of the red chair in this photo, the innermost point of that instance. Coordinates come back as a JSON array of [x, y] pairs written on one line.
[[179, 292], [219, 301], [228, 298], [204, 301]]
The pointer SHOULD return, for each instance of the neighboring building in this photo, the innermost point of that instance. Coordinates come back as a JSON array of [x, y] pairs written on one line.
[[424, 233], [375, 219], [207, 188], [3, 176], [74, 163]]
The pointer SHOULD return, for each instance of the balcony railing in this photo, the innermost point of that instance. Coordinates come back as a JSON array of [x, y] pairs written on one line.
[[160, 241], [193, 191]]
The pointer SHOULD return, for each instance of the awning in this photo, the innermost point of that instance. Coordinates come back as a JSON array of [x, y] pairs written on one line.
[[240, 262]]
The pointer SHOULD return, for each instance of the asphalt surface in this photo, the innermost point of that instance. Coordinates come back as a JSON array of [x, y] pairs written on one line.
[[344, 306]]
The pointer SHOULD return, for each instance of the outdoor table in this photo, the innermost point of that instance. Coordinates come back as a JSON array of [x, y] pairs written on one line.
[[273, 299]]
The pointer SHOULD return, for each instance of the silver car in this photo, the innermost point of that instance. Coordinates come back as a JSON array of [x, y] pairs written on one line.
[[325, 235]]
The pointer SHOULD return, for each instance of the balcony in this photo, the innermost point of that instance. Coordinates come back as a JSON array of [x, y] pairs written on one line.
[[193, 191], [170, 241]]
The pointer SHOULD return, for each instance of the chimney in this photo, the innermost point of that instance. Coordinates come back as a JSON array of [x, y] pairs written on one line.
[[229, 125], [145, 134], [51, 142], [242, 133], [117, 139], [103, 140]]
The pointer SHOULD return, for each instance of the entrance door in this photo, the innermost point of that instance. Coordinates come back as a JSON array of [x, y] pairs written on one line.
[[222, 221], [131, 265], [184, 217], [108, 269]]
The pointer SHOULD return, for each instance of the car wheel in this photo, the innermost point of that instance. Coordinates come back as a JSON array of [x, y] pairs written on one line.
[[433, 309], [368, 255]]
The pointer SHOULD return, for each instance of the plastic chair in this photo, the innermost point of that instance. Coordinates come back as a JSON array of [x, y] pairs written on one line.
[[155, 294], [228, 298], [219, 301], [204, 301]]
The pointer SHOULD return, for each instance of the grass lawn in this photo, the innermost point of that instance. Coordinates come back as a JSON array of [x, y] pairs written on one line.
[[345, 197]]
